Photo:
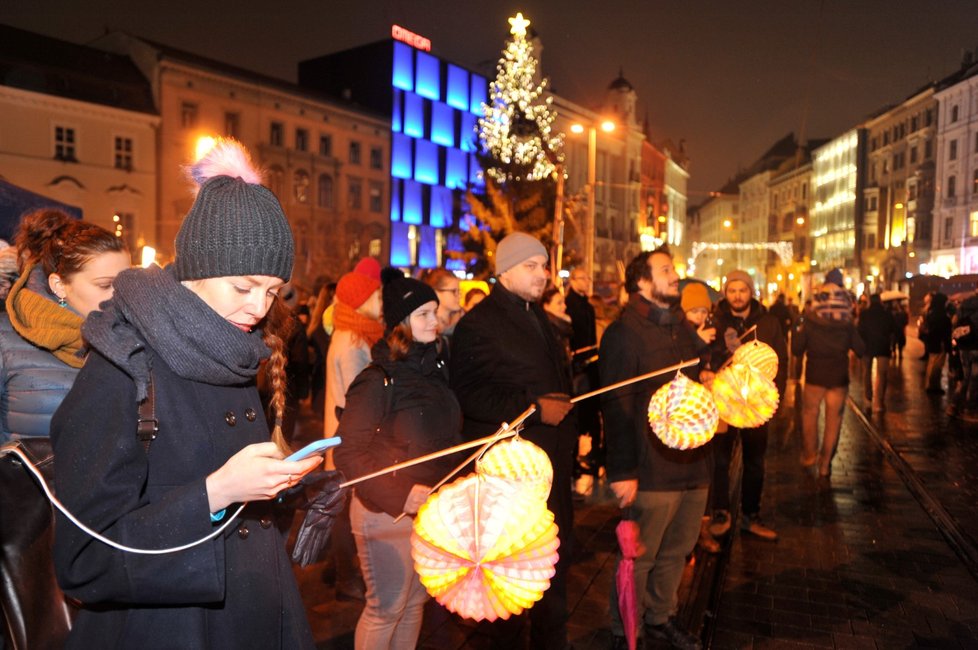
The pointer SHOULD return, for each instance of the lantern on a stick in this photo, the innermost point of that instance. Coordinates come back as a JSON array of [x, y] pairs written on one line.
[[759, 356], [517, 459], [745, 398], [682, 414], [485, 547]]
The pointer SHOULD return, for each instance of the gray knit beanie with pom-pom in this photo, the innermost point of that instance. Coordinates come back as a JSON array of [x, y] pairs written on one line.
[[235, 226]]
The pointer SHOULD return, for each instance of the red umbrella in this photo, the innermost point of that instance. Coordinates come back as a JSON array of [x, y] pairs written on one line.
[[631, 548]]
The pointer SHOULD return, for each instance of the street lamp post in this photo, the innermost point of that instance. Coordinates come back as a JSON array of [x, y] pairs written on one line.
[[592, 153]]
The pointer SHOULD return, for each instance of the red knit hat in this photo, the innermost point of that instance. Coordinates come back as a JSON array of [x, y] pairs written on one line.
[[355, 287]]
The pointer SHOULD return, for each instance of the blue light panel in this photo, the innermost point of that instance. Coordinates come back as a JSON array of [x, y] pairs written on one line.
[[426, 162], [457, 94], [412, 203], [427, 248], [396, 116], [440, 215], [456, 169], [428, 81], [400, 156], [474, 170], [403, 75], [454, 243], [413, 115], [396, 200], [400, 245], [442, 124], [478, 94], [467, 135]]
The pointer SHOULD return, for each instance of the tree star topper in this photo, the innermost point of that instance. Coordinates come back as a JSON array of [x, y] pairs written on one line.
[[518, 25]]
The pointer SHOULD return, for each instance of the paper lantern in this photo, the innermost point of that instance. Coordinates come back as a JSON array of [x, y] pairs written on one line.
[[485, 547], [682, 414], [745, 398], [759, 356], [518, 460]]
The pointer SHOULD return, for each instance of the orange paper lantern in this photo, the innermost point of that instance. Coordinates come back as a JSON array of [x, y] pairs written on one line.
[[682, 414], [485, 547], [745, 398], [517, 459], [759, 356]]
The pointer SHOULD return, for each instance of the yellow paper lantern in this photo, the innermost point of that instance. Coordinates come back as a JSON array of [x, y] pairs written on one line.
[[485, 547], [745, 398], [759, 356], [518, 460], [682, 414]]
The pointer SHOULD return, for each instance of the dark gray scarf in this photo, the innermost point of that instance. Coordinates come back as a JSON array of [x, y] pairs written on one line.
[[150, 308]]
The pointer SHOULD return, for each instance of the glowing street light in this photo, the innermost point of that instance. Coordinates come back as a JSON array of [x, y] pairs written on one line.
[[592, 153], [727, 223]]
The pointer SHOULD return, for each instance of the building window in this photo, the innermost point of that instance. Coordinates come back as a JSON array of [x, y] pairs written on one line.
[[300, 186], [326, 145], [64, 144], [974, 183], [948, 229], [872, 204], [276, 134], [276, 178], [188, 115], [301, 140], [913, 155], [871, 241], [354, 153], [954, 113], [951, 182], [376, 158], [952, 150], [911, 192], [973, 224], [354, 194], [232, 125], [886, 165], [929, 117], [927, 149], [914, 123], [886, 138], [123, 153], [324, 193], [376, 194]]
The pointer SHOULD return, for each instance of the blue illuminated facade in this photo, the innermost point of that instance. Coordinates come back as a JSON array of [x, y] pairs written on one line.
[[434, 107]]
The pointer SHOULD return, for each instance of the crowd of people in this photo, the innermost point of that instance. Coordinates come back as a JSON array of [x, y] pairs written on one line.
[[224, 350]]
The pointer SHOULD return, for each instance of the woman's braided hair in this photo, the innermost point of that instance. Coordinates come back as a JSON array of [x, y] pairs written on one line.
[[278, 327]]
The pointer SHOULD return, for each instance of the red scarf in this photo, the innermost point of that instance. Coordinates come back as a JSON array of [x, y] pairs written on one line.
[[365, 329]]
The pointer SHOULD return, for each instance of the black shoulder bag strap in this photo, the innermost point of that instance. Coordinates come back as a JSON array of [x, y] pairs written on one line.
[[147, 427]]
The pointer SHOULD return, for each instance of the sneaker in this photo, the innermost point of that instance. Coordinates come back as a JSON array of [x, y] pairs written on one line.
[[673, 635], [754, 526], [720, 524]]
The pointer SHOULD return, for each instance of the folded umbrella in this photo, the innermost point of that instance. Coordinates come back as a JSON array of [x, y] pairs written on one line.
[[631, 547]]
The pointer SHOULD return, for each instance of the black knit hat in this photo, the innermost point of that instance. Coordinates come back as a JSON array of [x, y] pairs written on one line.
[[235, 226], [402, 296]]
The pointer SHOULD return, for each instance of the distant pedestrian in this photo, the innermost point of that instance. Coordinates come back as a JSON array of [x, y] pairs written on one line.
[[901, 319], [824, 339], [583, 341], [736, 313], [505, 358], [664, 488], [935, 333], [553, 303], [964, 403], [473, 297], [447, 286], [779, 309], [877, 329]]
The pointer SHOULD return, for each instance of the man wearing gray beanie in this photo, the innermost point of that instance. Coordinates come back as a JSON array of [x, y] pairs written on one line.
[[505, 358]]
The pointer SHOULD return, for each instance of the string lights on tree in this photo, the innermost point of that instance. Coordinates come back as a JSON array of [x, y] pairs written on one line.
[[516, 127]]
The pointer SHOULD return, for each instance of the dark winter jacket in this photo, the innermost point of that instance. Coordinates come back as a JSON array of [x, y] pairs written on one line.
[[395, 411], [645, 338], [877, 328], [936, 326], [731, 328], [33, 382], [583, 319], [826, 345], [235, 591]]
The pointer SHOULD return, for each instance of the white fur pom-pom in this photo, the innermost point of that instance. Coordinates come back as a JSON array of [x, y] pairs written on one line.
[[226, 158]]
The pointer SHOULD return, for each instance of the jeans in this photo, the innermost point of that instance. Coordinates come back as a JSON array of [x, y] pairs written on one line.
[[875, 387], [835, 403], [754, 448], [669, 525], [395, 596]]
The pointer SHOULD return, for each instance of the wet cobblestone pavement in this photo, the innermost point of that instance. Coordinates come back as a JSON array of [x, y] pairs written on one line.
[[860, 562]]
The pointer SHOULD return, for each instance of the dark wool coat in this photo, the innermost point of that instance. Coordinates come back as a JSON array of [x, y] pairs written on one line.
[[583, 319], [826, 345], [645, 338], [395, 411], [877, 328], [235, 591]]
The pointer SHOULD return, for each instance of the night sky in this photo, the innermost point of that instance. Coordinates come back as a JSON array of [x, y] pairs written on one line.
[[728, 77]]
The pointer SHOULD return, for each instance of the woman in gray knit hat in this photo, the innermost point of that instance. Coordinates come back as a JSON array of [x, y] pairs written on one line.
[[188, 336]]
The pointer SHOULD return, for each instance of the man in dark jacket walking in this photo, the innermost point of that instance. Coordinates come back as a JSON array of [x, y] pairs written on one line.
[[877, 328], [504, 358], [738, 312], [665, 489], [584, 338]]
